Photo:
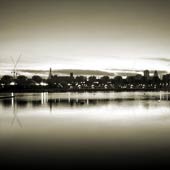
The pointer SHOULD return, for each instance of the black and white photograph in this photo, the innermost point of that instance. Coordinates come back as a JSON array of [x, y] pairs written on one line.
[[84, 83]]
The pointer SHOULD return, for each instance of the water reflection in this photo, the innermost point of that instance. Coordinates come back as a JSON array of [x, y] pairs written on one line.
[[112, 121], [67, 100], [14, 105], [117, 106], [36, 103], [16, 118], [6, 103], [21, 103]]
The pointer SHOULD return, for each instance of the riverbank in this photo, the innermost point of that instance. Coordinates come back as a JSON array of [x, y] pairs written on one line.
[[55, 90]]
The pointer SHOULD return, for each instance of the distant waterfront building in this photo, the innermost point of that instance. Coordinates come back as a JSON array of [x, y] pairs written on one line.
[[50, 74], [146, 74], [155, 74], [166, 78], [71, 75]]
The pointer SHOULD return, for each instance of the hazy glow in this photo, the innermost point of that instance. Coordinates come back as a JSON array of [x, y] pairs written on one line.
[[91, 34]]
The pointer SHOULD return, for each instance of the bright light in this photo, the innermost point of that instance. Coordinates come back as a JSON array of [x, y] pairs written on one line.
[[43, 84]]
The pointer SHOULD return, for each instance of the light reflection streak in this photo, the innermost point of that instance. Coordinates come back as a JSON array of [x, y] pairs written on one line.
[[14, 111]]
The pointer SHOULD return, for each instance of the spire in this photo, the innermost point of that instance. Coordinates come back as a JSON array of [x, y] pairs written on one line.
[[50, 74]]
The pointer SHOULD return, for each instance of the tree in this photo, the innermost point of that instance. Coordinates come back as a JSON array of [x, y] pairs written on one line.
[[6, 79], [131, 80], [92, 79], [118, 81], [104, 79], [37, 79], [22, 80], [80, 79]]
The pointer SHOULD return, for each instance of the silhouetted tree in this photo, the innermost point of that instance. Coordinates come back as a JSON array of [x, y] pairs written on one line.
[[31, 82], [104, 79], [22, 80], [37, 79], [6, 79], [92, 79], [130, 80], [118, 81], [80, 79]]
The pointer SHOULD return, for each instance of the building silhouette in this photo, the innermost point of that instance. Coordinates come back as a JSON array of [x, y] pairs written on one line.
[[71, 82], [155, 74], [146, 74], [50, 74], [71, 75]]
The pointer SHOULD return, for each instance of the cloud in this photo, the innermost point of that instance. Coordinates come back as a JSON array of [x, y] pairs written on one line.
[[164, 59]]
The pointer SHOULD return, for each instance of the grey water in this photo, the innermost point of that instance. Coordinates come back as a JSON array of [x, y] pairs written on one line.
[[96, 126]]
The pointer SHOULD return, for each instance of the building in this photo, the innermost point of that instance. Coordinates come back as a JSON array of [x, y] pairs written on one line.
[[146, 74], [155, 74], [50, 74], [71, 75]]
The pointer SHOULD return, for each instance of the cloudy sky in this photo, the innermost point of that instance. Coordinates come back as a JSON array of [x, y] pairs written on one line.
[[85, 34]]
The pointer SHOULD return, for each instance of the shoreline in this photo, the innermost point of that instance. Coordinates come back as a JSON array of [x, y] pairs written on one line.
[[79, 90]]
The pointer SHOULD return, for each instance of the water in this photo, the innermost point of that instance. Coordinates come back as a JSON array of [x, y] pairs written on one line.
[[125, 126]]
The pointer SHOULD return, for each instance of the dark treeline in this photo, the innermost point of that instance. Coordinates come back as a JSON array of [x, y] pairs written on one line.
[[81, 83]]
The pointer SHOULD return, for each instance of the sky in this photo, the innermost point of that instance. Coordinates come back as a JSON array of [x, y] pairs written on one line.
[[91, 34]]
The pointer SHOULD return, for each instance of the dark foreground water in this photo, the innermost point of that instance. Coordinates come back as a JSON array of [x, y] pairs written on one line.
[[110, 130]]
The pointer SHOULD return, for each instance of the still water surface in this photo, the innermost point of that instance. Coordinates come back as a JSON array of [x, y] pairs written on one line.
[[29, 111], [125, 122]]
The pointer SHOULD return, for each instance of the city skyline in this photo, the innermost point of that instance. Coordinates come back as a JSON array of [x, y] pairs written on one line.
[[84, 83], [110, 34]]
